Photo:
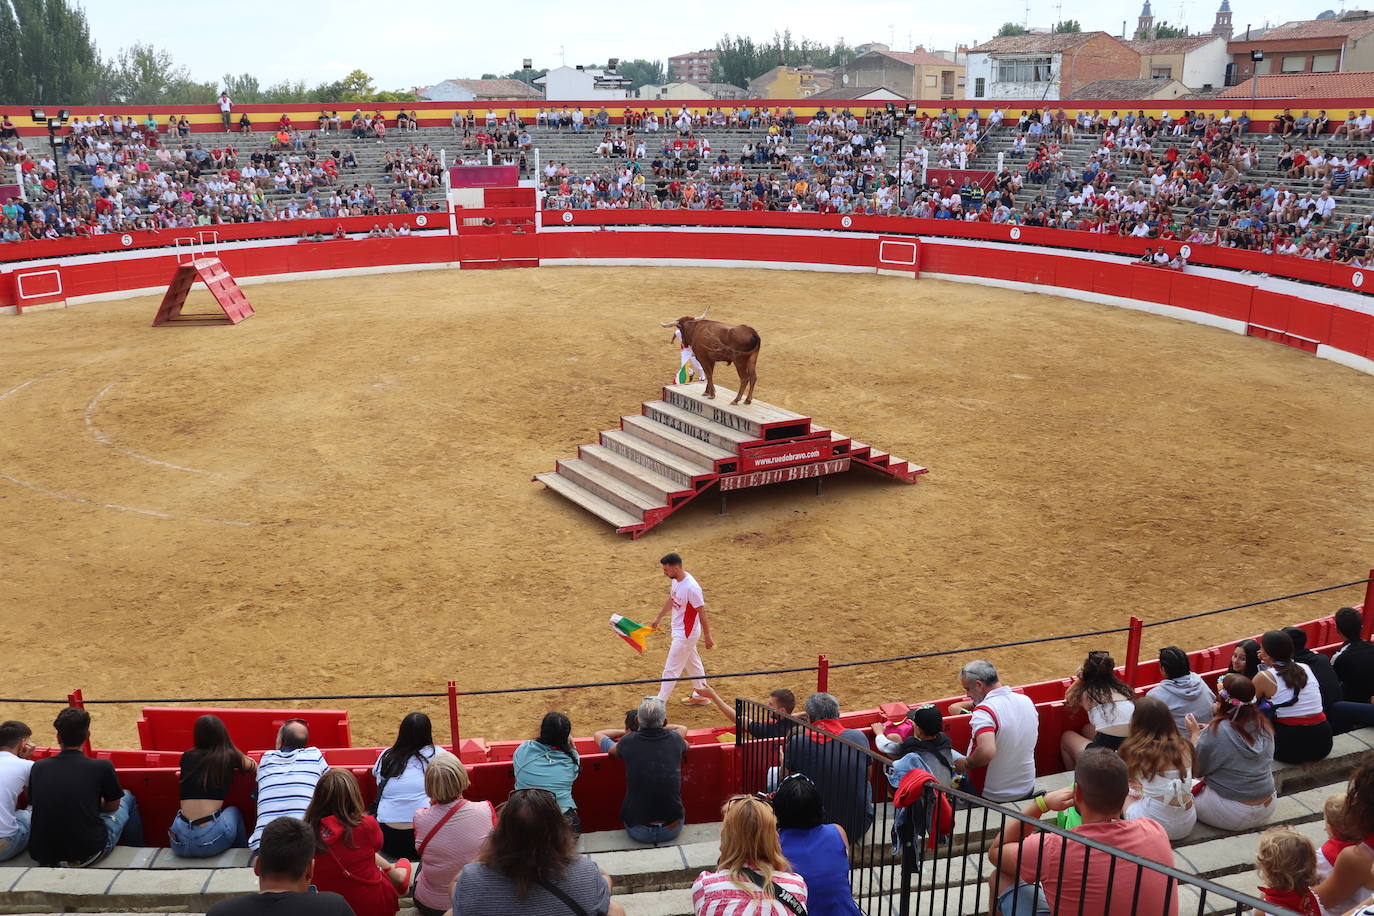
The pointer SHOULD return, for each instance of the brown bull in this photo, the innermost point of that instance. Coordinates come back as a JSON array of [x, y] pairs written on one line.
[[716, 342]]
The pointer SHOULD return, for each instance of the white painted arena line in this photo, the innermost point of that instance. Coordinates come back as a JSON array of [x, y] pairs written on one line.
[[99, 435], [82, 500]]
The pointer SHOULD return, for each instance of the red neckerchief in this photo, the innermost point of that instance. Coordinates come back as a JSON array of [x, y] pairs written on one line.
[[1299, 901], [1332, 848], [829, 726]]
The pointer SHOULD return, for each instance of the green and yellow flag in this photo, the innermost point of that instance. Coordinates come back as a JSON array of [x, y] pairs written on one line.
[[633, 633]]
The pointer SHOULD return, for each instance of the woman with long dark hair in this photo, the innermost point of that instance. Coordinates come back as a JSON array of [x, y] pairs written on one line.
[[1235, 753], [1109, 702], [400, 776], [205, 826], [348, 847], [551, 762], [1159, 762], [1245, 658], [530, 864], [1301, 732]]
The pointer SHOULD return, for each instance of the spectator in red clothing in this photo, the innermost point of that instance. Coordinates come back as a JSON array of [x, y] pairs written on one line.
[[1039, 874], [348, 858]]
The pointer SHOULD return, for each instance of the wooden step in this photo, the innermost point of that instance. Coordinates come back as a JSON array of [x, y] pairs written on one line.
[[612, 489], [671, 440], [758, 419], [589, 501], [694, 424], [671, 465], [632, 472]]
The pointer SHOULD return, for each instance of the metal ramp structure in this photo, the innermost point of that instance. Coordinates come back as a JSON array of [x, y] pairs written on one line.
[[233, 304], [683, 444]]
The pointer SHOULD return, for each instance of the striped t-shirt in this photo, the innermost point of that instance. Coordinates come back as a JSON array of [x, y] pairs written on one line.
[[715, 893], [286, 782]]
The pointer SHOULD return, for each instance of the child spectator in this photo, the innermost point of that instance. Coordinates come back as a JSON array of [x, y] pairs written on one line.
[[926, 747], [1160, 765], [1343, 862], [1287, 865]]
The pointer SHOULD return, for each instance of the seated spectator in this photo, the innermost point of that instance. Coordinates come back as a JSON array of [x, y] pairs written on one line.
[[1181, 690], [79, 811], [752, 876], [1344, 862], [1354, 666], [7, 129], [652, 811], [1301, 732], [551, 762], [245, 125], [205, 826], [781, 700], [817, 851], [1328, 683], [400, 776], [1235, 754], [348, 857], [835, 759], [1245, 659], [530, 865], [926, 747], [15, 766], [287, 777], [1159, 763], [1043, 873], [1286, 863], [449, 833], [1005, 726], [1108, 701], [285, 866]]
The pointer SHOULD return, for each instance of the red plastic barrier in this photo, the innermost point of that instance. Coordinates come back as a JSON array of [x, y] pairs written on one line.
[[170, 728]]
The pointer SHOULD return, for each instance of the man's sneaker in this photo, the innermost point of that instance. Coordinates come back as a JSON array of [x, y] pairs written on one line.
[[696, 699]]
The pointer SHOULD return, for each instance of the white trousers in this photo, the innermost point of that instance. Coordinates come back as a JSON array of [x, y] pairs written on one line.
[[699, 374], [1231, 815], [682, 659]]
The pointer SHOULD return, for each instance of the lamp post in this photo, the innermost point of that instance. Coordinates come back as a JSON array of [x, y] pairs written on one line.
[[54, 124], [1255, 57], [901, 163]]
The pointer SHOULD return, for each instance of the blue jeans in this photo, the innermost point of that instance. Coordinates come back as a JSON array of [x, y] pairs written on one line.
[[18, 841], [1346, 716], [199, 841], [1023, 900], [124, 823], [654, 833]]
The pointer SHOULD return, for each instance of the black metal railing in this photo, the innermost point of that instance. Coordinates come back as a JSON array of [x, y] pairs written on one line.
[[852, 779], [915, 861]]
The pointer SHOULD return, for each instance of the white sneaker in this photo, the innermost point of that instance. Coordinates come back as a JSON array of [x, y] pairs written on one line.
[[696, 699]]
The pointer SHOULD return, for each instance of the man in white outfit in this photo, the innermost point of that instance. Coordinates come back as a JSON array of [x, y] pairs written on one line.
[[690, 623], [698, 373]]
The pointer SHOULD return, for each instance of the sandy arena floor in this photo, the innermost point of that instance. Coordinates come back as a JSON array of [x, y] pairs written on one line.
[[335, 497]]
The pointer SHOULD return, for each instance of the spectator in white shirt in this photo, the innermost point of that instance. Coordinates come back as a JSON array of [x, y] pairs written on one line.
[[287, 777], [400, 775], [15, 750], [1005, 726]]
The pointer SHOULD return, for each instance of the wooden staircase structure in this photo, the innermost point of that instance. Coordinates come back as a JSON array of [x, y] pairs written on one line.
[[681, 445]]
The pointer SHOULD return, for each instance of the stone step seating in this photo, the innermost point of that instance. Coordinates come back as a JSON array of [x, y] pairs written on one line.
[[656, 880]]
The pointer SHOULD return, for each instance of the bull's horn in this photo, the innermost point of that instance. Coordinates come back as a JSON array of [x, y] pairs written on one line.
[[703, 314], [667, 324]]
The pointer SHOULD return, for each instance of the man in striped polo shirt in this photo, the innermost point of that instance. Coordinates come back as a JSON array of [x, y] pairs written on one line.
[[287, 777]]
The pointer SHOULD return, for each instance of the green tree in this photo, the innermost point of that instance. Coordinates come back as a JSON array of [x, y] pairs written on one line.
[[144, 75], [1068, 25], [1164, 30], [742, 59], [242, 88], [1011, 28], [46, 54], [641, 72], [287, 91]]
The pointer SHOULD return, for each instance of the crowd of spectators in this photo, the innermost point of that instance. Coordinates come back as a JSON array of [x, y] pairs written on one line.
[[1146, 770]]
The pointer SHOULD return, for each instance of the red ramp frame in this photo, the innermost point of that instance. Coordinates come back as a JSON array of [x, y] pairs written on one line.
[[234, 306]]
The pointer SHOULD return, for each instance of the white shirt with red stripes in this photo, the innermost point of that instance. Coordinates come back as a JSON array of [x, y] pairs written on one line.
[[715, 893]]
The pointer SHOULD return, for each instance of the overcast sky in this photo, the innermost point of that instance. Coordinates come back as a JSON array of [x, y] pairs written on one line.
[[399, 50]]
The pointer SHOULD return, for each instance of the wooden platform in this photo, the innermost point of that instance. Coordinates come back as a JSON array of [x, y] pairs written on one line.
[[682, 444]]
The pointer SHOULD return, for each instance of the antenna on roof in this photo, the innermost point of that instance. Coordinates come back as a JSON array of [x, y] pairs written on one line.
[[1026, 24]]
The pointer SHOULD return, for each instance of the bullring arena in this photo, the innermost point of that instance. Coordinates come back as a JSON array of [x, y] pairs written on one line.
[[332, 509], [342, 495]]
